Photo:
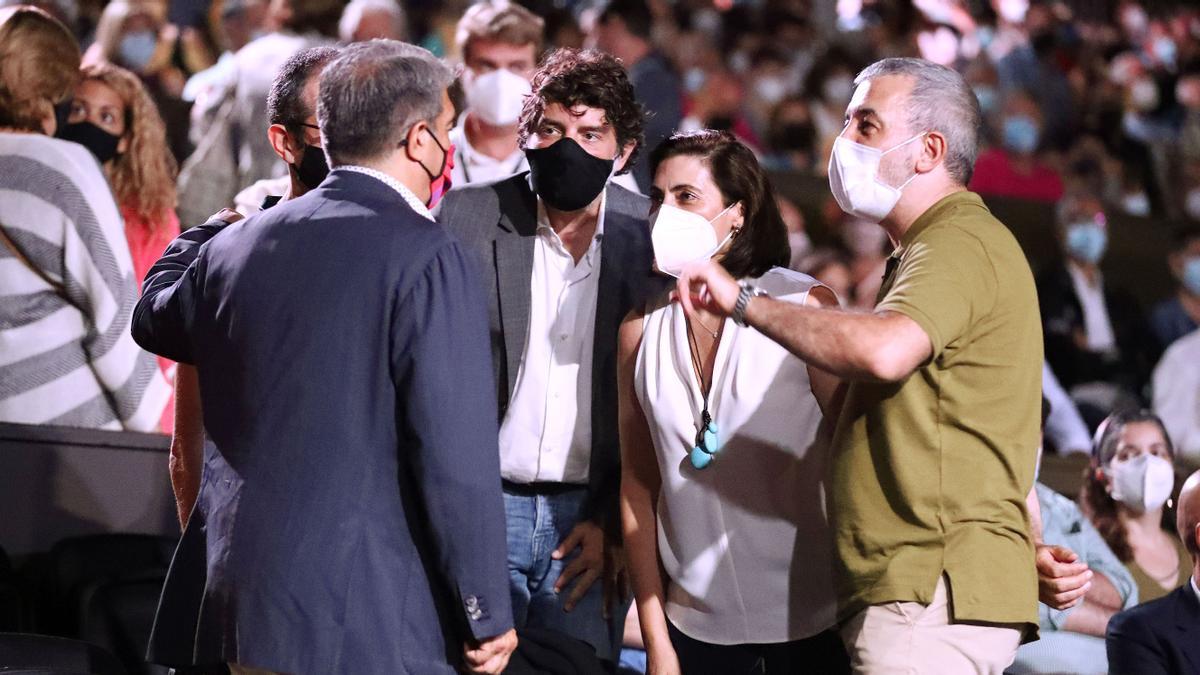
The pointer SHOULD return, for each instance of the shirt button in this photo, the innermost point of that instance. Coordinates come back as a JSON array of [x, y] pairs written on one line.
[[563, 337]]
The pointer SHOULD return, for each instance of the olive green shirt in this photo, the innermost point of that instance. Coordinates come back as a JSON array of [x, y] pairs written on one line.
[[930, 474], [1148, 588]]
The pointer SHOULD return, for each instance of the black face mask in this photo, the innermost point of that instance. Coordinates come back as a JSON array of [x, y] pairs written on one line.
[[313, 168], [101, 143], [566, 176]]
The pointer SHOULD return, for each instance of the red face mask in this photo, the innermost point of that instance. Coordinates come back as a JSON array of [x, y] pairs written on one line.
[[440, 185]]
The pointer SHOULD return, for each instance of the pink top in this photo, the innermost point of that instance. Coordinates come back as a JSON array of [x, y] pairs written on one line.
[[997, 176], [146, 246]]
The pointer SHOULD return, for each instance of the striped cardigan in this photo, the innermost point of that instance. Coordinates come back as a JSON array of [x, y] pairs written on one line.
[[70, 364]]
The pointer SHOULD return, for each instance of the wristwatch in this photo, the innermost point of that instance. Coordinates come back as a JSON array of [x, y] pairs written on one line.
[[748, 291]]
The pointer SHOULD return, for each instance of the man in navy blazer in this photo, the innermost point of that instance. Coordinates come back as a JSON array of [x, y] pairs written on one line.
[[350, 516], [1163, 636]]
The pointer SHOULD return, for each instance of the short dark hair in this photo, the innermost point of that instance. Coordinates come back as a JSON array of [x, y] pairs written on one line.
[[762, 242], [571, 77], [635, 14], [285, 101], [373, 93]]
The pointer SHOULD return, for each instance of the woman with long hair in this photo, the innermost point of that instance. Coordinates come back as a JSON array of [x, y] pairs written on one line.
[[68, 281], [1127, 486], [113, 116], [722, 467]]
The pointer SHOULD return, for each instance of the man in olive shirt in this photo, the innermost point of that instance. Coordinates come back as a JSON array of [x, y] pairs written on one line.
[[937, 425]]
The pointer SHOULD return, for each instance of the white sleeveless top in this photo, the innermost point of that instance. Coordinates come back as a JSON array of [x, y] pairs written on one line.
[[745, 541]]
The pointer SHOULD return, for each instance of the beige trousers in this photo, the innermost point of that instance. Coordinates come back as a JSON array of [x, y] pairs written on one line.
[[911, 638], [235, 669]]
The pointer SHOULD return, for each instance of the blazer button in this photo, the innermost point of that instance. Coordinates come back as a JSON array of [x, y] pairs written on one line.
[[475, 614]]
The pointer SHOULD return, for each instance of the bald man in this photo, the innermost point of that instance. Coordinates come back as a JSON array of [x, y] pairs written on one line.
[[1163, 636]]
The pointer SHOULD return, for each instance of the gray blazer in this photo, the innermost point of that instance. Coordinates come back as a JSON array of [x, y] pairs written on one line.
[[498, 221]]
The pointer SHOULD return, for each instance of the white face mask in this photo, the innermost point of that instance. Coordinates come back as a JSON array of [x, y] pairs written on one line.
[[1142, 483], [681, 237], [497, 97], [854, 179]]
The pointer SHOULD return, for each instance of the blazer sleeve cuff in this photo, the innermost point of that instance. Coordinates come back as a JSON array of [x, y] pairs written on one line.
[[482, 621]]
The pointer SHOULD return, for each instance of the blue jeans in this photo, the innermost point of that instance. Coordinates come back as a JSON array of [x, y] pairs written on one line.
[[536, 524]]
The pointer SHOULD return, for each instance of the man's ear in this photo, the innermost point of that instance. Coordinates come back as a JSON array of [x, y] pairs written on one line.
[[283, 145], [415, 140], [933, 152], [624, 156]]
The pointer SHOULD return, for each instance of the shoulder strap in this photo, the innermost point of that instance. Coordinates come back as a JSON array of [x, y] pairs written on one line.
[[58, 288]]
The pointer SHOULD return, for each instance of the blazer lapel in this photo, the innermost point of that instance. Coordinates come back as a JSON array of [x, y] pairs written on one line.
[[514, 271]]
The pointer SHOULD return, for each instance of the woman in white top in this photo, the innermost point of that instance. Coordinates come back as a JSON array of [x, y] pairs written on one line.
[[721, 484]]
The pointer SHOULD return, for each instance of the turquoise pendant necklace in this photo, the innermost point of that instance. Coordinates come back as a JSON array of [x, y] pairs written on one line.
[[707, 444]]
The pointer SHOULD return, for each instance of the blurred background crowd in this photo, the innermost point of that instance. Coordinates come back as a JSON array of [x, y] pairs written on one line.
[[1092, 138]]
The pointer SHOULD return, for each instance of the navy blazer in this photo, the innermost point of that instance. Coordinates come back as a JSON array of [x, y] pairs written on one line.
[[350, 517], [497, 221], [1160, 637]]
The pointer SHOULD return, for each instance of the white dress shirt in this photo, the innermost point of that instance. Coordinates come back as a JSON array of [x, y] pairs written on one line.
[[546, 435], [472, 166], [1176, 387], [1096, 323], [409, 196]]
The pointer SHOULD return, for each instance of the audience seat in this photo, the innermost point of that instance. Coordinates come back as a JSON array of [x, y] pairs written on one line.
[[104, 589], [10, 597], [44, 654]]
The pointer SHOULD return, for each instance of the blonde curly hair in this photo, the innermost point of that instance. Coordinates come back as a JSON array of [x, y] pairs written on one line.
[[39, 65], [143, 177]]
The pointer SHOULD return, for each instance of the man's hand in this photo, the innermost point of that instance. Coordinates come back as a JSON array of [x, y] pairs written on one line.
[[490, 655], [707, 285], [588, 566], [229, 216], [616, 576], [1062, 578]]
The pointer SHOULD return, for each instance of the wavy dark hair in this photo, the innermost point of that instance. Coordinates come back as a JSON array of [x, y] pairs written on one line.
[[762, 242], [571, 77], [1098, 503]]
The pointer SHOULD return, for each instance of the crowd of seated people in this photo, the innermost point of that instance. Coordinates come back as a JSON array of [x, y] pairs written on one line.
[[152, 117]]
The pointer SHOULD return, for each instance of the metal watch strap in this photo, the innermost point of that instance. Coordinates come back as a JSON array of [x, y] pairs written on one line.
[[747, 291]]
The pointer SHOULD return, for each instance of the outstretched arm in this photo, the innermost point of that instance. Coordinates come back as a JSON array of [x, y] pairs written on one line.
[[160, 318]]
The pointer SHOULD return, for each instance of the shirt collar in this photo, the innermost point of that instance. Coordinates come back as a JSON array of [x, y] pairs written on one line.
[[1195, 588], [934, 213], [544, 228], [1081, 281], [409, 197]]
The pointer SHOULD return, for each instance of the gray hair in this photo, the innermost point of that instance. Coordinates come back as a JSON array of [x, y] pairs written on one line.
[[941, 101], [373, 94], [354, 12]]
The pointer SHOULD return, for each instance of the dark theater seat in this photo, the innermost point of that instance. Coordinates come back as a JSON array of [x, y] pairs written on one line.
[[43, 654]]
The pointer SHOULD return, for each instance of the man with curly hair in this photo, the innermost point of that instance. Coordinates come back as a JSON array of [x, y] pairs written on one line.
[[566, 254]]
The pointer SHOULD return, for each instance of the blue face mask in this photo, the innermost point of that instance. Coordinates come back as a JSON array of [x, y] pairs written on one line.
[[1086, 241], [136, 49], [1021, 134], [1191, 275], [988, 97]]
